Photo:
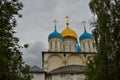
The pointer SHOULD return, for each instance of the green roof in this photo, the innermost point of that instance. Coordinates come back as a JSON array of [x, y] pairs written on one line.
[[36, 69], [68, 69]]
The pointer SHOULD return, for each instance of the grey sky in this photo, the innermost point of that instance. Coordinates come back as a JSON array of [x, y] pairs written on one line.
[[36, 24]]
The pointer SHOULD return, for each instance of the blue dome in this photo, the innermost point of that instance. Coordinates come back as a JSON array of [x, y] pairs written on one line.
[[85, 35], [78, 48], [55, 34]]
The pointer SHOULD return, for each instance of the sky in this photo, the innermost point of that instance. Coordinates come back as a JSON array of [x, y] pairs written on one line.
[[37, 23]]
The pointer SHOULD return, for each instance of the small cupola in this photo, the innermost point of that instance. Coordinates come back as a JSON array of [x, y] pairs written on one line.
[[85, 35], [78, 48], [55, 34]]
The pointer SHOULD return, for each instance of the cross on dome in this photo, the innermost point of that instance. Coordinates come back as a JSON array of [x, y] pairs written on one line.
[[55, 21], [84, 24], [67, 17]]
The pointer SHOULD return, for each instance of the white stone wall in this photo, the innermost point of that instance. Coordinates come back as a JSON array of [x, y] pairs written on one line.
[[68, 77], [38, 76], [69, 45], [55, 60], [87, 45], [58, 45], [55, 45]]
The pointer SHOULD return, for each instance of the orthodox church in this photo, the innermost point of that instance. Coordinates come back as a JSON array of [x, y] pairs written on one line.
[[66, 56]]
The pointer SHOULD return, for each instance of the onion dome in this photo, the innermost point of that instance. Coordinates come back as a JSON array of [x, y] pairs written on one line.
[[85, 35], [55, 34], [78, 48], [69, 32]]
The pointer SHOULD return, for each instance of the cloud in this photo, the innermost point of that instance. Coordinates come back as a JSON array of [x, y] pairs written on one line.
[[33, 54]]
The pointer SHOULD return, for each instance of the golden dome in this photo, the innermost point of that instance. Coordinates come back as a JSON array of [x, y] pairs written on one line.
[[69, 33]]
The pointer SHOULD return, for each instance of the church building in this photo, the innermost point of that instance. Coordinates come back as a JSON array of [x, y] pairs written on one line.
[[66, 56]]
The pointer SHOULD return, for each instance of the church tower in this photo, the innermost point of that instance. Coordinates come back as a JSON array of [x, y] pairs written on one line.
[[55, 40], [69, 38], [86, 41]]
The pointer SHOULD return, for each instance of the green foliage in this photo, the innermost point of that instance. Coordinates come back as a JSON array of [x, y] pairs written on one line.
[[106, 63], [26, 45], [11, 64]]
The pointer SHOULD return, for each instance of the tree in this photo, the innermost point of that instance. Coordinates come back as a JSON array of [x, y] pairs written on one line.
[[12, 66], [106, 63]]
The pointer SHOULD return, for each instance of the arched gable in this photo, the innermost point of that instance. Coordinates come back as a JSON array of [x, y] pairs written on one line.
[[74, 60], [54, 61]]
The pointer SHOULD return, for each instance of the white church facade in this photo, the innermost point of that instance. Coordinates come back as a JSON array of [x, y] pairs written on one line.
[[66, 56]]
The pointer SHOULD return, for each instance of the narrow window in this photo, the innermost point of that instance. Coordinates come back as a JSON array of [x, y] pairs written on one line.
[[75, 48], [93, 45], [70, 47], [89, 45], [63, 47], [60, 45], [50, 45], [84, 45], [55, 44]]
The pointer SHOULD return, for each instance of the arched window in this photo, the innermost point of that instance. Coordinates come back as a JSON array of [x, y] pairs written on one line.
[[70, 47], [93, 45], [89, 45], [55, 44], [75, 47], [84, 45], [60, 45], [50, 45], [63, 47]]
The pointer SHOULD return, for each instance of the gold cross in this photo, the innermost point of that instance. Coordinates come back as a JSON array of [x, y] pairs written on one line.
[[55, 21], [67, 18], [84, 23]]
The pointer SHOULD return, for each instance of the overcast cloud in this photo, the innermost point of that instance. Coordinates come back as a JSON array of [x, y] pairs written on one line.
[[36, 24]]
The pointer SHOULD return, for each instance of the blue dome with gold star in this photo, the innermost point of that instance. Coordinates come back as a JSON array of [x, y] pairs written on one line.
[[78, 48], [55, 34], [85, 35]]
